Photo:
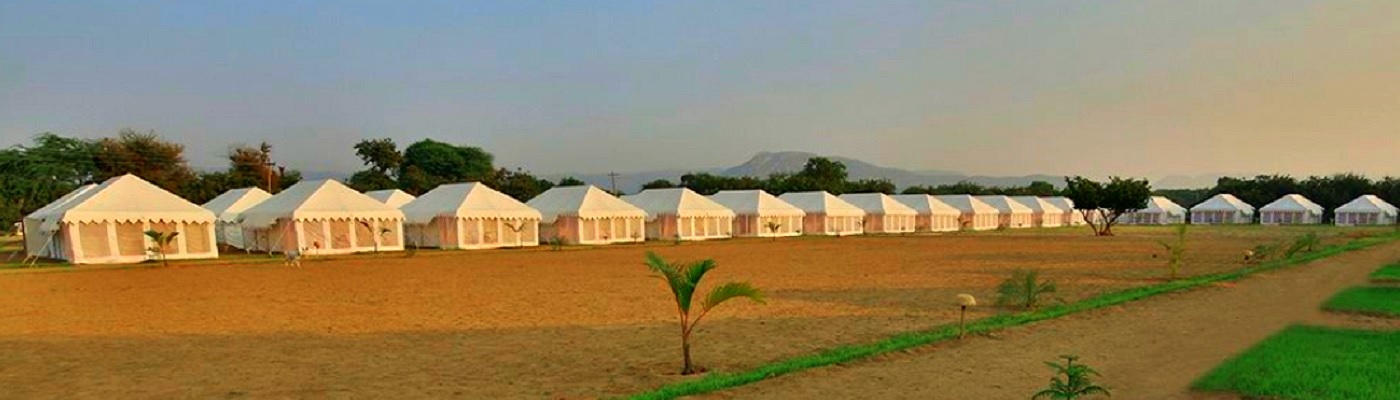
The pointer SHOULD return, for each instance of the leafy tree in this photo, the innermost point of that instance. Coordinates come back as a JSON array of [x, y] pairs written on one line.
[[683, 280], [708, 184], [823, 174], [658, 184], [146, 155], [383, 159], [1023, 289], [1106, 200], [570, 181], [429, 163], [871, 186], [519, 184], [369, 180], [1077, 381]]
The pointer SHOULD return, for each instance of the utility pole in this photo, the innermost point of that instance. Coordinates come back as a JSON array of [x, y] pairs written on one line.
[[612, 176], [269, 165]]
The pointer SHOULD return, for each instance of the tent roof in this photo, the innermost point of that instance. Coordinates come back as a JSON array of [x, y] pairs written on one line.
[[756, 202], [1368, 203], [59, 204], [229, 205], [1224, 202], [1064, 203], [925, 204], [1005, 204], [465, 200], [587, 202], [678, 201], [393, 197], [1162, 205], [318, 200], [878, 203], [125, 198], [1292, 202], [1038, 204], [822, 202], [967, 203]]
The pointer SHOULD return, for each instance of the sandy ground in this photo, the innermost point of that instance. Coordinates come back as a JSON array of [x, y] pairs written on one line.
[[1151, 349], [532, 323]]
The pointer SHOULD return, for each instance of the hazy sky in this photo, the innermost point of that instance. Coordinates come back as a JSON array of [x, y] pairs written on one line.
[[1145, 88]]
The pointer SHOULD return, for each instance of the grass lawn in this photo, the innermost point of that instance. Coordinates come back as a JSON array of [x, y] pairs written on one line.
[[1382, 301], [1306, 362], [1389, 273]]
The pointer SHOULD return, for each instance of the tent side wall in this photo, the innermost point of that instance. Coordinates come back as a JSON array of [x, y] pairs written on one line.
[[1289, 218], [111, 242], [1345, 218], [756, 225]]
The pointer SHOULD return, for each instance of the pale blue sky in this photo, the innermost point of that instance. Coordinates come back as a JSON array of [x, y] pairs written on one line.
[[1146, 88]]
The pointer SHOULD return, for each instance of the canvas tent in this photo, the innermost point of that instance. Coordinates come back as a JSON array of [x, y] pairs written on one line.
[[1289, 210], [469, 216], [1012, 213], [393, 197], [1072, 216], [106, 224], [323, 217], [1222, 209], [588, 215], [976, 215], [882, 213], [933, 214], [682, 214], [1043, 213], [228, 209], [826, 214], [757, 213], [1160, 211], [1366, 210]]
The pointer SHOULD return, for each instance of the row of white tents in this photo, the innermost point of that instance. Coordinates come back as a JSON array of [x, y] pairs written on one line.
[[105, 223]]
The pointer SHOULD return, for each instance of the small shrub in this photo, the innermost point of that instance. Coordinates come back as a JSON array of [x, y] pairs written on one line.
[[1077, 381], [1023, 289], [1176, 251], [1261, 253]]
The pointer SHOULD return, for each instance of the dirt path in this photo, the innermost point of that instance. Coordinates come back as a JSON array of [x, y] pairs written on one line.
[[1152, 349]]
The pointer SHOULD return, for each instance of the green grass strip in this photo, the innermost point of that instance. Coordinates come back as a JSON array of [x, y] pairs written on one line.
[[1307, 362], [1389, 273], [1379, 301], [717, 381]]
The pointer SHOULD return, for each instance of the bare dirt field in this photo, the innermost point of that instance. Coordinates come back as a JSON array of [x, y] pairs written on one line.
[[578, 323]]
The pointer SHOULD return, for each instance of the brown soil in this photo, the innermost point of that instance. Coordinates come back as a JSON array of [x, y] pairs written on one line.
[[1152, 349], [534, 323]]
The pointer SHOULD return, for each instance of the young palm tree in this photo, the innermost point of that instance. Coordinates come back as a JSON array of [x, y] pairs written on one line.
[[683, 280], [1023, 289], [1077, 382], [516, 227], [773, 227], [160, 240], [1176, 252]]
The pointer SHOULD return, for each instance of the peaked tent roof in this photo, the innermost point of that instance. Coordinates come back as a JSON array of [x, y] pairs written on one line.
[[822, 202], [465, 200], [587, 202], [229, 205], [317, 200], [878, 203], [967, 203], [923, 203], [392, 197], [1038, 204], [124, 198], [1005, 204], [1368, 203], [677, 201], [1159, 204], [756, 202], [1292, 202], [49, 209], [1224, 202], [1062, 202]]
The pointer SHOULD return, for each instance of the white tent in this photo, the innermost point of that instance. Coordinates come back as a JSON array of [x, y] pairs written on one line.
[[1012, 213], [1290, 209], [392, 197], [1366, 210], [588, 215], [758, 213], [323, 217], [228, 208], [469, 216], [106, 224], [882, 213], [1073, 217], [1222, 209], [976, 215], [680, 213], [826, 214], [934, 215], [1043, 213], [1160, 211]]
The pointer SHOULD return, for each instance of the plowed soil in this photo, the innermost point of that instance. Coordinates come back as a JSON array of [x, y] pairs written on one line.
[[531, 323]]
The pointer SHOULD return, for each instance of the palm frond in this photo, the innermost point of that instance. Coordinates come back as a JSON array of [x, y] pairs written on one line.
[[732, 290], [675, 279]]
